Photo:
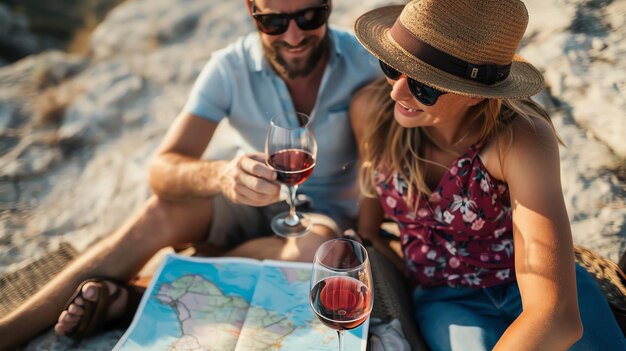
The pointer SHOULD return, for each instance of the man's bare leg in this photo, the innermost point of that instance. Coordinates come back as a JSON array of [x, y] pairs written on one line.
[[157, 225]]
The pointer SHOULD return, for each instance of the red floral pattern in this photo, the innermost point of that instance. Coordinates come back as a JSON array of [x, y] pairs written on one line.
[[460, 235]]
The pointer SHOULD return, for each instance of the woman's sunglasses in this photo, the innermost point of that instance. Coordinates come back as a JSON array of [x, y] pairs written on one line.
[[422, 92], [277, 23]]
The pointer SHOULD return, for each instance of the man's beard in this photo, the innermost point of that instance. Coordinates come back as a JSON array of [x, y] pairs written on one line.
[[300, 67]]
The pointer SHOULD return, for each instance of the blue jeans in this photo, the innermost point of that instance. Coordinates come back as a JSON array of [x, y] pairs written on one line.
[[474, 319]]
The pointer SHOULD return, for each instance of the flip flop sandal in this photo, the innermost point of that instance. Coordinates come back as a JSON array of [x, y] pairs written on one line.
[[94, 315]]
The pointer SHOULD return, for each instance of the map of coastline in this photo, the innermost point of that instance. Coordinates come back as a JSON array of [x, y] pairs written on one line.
[[230, 304]]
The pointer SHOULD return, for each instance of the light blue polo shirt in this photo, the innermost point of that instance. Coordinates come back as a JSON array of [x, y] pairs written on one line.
[[239, 84]]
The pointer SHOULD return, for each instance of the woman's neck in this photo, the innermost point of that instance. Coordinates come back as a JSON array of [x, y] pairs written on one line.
[[452, 134]]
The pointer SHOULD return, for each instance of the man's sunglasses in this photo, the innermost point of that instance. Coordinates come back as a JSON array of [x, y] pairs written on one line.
[[422, 92], [277, 23]]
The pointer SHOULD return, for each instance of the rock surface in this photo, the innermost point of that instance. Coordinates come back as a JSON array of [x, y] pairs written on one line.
[[76, 133]]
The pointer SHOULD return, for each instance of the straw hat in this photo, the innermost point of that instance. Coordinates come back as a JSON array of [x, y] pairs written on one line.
[[461, 46]]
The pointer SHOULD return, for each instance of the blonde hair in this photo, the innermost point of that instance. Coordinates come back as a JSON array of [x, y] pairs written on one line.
[[395, 149]]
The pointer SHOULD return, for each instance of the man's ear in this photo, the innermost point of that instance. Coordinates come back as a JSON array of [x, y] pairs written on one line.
[[249, 6]]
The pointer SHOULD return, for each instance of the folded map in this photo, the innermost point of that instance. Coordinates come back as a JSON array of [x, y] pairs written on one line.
[[231, 304]]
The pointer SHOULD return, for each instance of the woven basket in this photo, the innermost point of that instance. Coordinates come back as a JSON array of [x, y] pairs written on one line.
[[610, 278], [16, 287]]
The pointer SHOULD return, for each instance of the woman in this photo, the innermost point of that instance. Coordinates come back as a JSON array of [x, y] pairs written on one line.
[[455, 152]]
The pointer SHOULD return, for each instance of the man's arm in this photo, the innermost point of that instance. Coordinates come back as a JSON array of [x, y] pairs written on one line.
[[177, 171]]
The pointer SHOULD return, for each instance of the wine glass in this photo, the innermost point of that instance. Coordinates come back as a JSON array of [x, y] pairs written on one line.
[[291, 150], [341, 285]]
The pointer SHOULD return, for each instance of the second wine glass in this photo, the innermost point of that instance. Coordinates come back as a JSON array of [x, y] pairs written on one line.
[[341, 285], [291, 150]]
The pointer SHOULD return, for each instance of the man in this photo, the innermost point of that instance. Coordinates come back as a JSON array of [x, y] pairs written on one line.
[[293, 63]]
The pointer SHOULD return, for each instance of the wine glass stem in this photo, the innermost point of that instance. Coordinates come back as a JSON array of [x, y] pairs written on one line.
[[292, 219], [340, 337]]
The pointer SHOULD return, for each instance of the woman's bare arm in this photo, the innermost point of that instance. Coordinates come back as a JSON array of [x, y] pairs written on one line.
[[544, 256]]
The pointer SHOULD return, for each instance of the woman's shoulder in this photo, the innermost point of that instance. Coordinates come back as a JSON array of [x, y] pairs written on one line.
[[532, 135], [525, 138]]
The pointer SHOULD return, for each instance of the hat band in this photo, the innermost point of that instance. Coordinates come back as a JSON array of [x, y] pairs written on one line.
[[486, 74]]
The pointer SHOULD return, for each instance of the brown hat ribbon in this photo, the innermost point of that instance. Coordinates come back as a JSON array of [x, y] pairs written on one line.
[[486, 74]]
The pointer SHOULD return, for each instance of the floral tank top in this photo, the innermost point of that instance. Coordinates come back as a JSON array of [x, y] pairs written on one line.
[[460, 235]]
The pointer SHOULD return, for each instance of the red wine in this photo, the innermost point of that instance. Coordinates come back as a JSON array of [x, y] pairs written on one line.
[[293, 166], [341, 302]]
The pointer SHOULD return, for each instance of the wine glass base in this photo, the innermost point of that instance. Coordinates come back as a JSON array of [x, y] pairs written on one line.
[[281, 228]]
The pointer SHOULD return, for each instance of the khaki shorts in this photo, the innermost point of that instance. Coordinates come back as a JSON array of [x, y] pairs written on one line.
[[232, 225]]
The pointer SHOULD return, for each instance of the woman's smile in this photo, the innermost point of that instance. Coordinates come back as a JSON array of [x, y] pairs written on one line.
[[409, 117], [406, 110]]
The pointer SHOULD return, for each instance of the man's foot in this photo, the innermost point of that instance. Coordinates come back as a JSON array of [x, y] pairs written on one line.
[[96, 302]]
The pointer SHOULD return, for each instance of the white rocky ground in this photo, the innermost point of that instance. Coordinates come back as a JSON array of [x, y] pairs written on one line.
[[76, 133]]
